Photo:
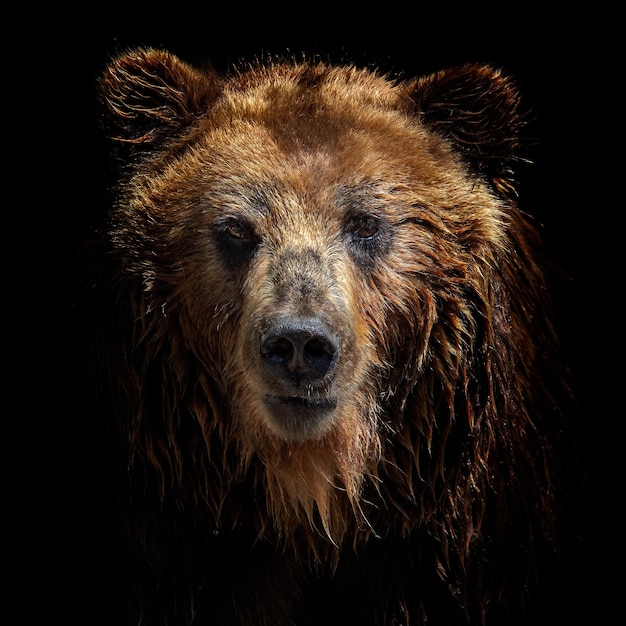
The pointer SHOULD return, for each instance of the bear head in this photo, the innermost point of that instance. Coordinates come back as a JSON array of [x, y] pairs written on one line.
[[327, 287]]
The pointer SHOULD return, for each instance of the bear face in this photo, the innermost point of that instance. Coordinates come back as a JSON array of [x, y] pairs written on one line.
[[326, 293]]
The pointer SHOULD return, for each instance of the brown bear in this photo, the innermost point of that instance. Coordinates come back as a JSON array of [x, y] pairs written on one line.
[[323, 351]]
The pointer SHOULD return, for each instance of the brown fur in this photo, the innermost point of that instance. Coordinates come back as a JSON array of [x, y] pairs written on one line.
[[384, 211]]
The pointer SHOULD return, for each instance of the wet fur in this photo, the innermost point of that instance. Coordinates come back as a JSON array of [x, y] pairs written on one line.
[[426, 491]]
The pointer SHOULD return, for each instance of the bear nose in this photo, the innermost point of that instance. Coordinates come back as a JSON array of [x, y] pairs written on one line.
[[299, 348]]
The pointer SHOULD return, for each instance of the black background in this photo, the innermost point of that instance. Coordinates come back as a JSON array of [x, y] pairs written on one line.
[[562, 63]]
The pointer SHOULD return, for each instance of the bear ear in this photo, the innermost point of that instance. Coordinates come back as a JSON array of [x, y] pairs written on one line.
[[477, 109], [150, 95]]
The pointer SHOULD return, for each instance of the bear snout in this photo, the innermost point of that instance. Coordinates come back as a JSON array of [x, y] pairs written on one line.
[[299, 350]]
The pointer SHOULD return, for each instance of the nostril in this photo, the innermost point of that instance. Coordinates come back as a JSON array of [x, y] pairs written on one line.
[[277, 347], [319, 352], [319, 348], [299, 348]]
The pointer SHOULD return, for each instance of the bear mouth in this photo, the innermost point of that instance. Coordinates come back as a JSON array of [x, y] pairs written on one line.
[[300, 418], [321, 404]]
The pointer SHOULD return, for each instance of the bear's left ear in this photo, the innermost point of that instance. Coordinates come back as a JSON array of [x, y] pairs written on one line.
[[150, 95], [477, 109]]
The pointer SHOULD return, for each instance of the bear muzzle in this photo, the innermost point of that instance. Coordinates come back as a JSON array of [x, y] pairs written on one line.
[[299, 356]]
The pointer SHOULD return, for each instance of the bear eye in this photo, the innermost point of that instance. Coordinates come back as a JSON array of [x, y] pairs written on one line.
[[236, 230], [236, 239], [366, 227], [367, 237], [363, 227]]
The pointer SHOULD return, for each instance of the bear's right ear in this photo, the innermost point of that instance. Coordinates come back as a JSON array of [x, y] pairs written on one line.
[[150, 95]]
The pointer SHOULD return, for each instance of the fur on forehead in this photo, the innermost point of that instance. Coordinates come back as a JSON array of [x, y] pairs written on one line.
[[151, 98]]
